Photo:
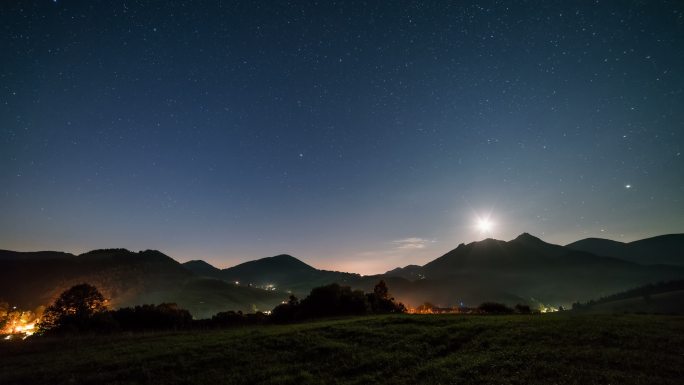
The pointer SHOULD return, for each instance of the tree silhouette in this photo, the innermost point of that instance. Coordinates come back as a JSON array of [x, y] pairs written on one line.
[[381, 290], [73, 309], [293, 301], [381, 302]]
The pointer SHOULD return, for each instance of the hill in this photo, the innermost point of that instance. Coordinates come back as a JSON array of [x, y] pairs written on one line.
[[33, 279], [671, 302], [30, 280], [658, 298], [664, 249], [525, 269], [281, 272], [202, 269], [404, 349]]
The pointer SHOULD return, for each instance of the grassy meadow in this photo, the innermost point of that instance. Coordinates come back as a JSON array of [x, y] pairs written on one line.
[[397, 349]]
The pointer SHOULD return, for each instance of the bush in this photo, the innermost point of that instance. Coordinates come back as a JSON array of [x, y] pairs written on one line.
[[333, 300], [165, 316]]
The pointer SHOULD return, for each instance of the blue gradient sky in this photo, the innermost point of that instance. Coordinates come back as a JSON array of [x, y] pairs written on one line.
[[357, 136]]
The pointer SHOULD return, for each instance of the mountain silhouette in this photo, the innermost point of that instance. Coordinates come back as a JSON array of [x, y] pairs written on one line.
[[523, 270], [203, 269], [282, 272], [126, 278], [664, 249], [265, 271], [410, 272]]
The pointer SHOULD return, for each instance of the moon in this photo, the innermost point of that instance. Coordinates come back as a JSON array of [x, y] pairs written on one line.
[[484, 225]]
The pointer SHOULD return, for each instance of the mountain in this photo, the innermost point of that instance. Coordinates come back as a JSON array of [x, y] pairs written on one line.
[[202, 269], [7, 255], [281, 272], [524, 254], [282, 269], [33, 279], [408, 272], [664, 249], [30, 280], [525, 269]]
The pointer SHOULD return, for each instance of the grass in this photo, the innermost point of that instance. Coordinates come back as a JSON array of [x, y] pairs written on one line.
[[405, 349]]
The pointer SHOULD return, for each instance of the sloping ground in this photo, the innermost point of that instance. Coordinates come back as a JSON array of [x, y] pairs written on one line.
[[206, 297], [663, 249], [284, 272], [663, 303], [29, 280], [549, 349], [126, 278], [524, 270]]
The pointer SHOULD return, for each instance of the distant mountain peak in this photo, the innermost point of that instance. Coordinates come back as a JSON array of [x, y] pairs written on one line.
[[280, 262], [285, 257], [408, 271], [485, 243], [100, 252], [527, 237], [198, 262], [202, 268], [662, 249]]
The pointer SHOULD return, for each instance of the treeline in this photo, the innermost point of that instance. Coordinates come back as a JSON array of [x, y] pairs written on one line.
[[165, 316], [82, 309], [335, 300], [645, 291], [499, 308], [486, 308]]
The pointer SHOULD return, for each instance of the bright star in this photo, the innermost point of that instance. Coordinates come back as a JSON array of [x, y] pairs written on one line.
[[628, 186]]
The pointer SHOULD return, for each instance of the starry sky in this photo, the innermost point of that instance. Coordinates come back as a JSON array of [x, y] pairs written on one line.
[[357, 136]]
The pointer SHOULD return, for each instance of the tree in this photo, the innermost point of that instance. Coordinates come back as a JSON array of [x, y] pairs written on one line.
[[293, 301], [73, 309], [381, 290], [4, 314], [381, 301]]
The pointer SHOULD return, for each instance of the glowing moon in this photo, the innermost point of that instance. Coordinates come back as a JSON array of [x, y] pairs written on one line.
[[484, 225]]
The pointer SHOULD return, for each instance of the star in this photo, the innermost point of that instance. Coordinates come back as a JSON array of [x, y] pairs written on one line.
[[628, 186]]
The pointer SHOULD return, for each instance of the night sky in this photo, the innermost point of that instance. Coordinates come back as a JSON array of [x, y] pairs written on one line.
[[357, 136]]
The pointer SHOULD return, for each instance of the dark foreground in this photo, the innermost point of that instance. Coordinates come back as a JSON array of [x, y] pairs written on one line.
[[408, 349]]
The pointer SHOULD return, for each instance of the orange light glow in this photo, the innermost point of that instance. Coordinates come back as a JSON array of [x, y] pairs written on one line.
[[20, 324]]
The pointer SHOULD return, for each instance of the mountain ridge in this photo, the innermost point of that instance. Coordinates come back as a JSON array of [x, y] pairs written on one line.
[[524, 269], [665, 249]]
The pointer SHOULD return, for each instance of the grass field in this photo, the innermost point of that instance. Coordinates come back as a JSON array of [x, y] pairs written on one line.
[[404, 349]]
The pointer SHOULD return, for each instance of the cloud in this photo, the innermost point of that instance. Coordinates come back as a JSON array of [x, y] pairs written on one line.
[[397, 253], [411, 243]]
